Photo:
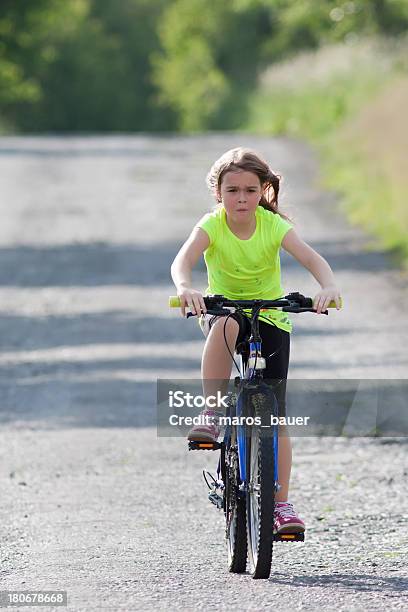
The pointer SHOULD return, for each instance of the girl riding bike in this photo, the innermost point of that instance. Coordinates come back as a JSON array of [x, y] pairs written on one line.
[[240, 241]]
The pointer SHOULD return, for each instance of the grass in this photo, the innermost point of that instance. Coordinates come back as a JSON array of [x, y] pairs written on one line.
[[349, 102], [365, 163]]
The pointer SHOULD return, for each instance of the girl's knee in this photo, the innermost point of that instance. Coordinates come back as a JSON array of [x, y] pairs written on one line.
[[230, 326]]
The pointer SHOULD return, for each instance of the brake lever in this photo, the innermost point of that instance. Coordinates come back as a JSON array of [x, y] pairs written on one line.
[[215, 312]]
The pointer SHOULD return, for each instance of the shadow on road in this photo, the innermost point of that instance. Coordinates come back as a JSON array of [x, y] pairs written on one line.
[[87, 265], [59, 404], [101, 264], [29, 333], [343, 256], [354, 582]]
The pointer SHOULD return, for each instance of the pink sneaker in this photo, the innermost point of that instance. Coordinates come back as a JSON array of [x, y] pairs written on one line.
[[208, 430], [286, 519]]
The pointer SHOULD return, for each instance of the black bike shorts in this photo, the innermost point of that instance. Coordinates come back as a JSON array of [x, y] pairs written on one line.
[[275, 350]]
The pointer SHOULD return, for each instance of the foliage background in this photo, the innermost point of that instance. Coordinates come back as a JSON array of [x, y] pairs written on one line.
[[103, 65]]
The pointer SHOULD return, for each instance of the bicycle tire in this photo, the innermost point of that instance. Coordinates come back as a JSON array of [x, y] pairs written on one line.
[[260, 497], [235, 512]]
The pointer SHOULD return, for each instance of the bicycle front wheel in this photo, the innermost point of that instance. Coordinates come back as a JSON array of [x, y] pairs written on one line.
[[235, 511], [260, 499]]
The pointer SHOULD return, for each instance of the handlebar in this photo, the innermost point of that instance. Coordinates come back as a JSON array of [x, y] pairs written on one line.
[[293, 302]]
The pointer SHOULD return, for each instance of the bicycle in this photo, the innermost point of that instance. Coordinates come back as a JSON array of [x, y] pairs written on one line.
[[248, 463]]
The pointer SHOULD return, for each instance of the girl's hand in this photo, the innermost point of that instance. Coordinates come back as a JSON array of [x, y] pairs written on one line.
[[193, 300], [325, 296]]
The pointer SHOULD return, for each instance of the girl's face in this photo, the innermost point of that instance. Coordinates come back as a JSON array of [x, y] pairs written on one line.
[[240, 194]]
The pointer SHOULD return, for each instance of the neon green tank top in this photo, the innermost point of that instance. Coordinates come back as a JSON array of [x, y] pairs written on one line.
[[247, 269]]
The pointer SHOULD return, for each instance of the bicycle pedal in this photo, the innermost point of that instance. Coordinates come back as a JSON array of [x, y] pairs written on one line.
[[198, 445], [216, 499], [289, 537]]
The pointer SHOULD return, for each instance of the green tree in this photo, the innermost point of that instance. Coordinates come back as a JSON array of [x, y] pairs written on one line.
[[81, 65], [211, 53], [307, 24], [100, 77], [27, 47], [186, 72]]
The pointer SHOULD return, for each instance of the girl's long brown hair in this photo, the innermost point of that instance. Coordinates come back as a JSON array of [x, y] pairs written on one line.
[[246, 159]]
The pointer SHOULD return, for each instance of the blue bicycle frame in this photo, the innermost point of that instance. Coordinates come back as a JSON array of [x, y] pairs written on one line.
[[247, 374]]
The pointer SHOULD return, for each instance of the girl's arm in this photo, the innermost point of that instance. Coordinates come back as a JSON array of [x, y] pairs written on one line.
[[318, 266], [181, 268]]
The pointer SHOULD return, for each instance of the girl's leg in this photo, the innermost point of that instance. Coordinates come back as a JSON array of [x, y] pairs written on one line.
[[284, 463], [216, 368], [286, 519], [216, 364], [274, 339]]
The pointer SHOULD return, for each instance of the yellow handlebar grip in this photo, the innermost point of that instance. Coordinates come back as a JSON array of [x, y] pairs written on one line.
[[174, 301], [333, 304]]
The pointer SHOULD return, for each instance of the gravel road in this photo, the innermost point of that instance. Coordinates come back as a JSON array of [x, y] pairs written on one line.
[[93, 502]]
